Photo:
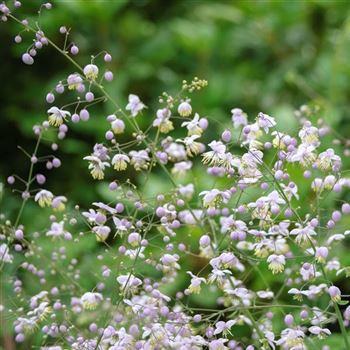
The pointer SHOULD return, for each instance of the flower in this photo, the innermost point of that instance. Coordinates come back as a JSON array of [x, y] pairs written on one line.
[[239, 118], [214, 197], [298, 294], [57, 229], [97, 167], [163, 121], [217, 155], [193, 126], [91, 71], [320, 332], [265, 294], [118, 126], [218, 344], [57, 116], [223, 327], [74, 81], [327, 159], [304, 154], [91, 300], [4, 254], [192, 147], [180, 168], [321, 254], [58, 203], [309, 135], [276, 263], [139, 159], [292, 339], [335, 293], [129, 283], [102, 232], [134, 105], [195, 286], [44, 198], [120, 161], [265, 121], [303, 234], [184, 109]]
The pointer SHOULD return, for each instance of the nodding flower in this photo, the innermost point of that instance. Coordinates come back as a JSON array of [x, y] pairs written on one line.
[[44, 198], [91, 71], [57, 116], [184, 109], [91, 300]]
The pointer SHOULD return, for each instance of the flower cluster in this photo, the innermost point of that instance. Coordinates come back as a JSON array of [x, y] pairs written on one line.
[[245, 213]]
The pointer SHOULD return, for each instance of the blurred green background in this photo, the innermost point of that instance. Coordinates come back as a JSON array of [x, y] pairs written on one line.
[[270, 56]]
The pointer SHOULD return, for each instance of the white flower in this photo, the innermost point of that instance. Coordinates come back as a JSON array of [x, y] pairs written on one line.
[[327, 159], [309, 135], [170, 262], [223, 327], [180, 168], [96, 166], [118, 126], [186, 190], [102, 232], [58, 203], [215, 197], [57, 116], [44, 198], [91, 71], [184, 109], [105, 207], [129, 282], [120, 162], [175, 151], [134, 105], [91, 300], [217, 155], [239, 118], [120, 225], [218, 344], [298, 294], [290, 190], [276, 263], [265, 121], [292, 339], [57, 229], [163, 121], [4, 254], [74, 81], [193, 126], [320, 332], [139, 159], [192, 147], [218, 276], [304, 154], [303, 234], [265, 294], [195, 286]]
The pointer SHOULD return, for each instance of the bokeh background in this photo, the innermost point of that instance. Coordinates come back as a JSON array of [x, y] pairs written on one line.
[[270, 56]]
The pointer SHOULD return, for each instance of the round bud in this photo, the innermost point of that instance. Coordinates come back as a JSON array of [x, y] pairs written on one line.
[[11, 180], [107, 57], [108, 76], [27, 59], [74, 50], [50, 97]]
